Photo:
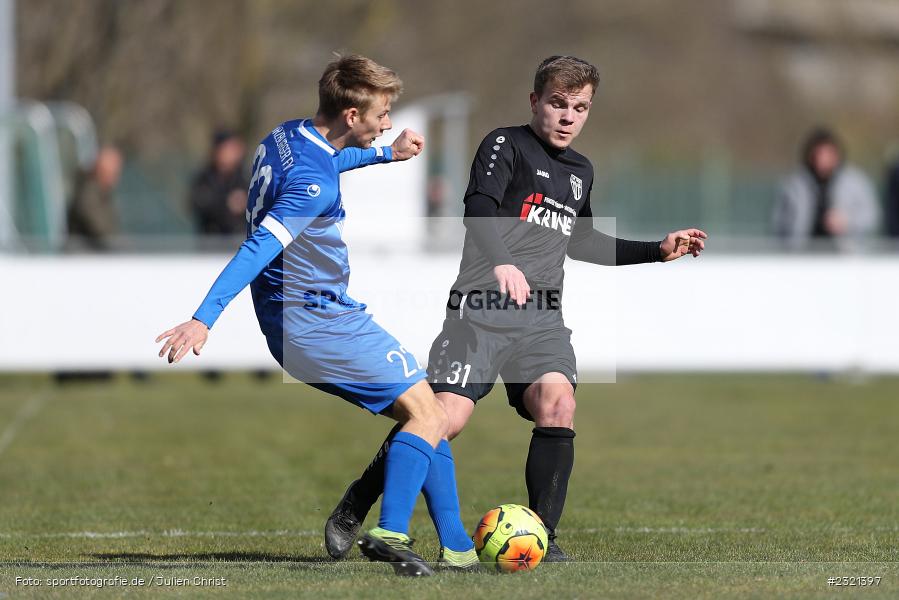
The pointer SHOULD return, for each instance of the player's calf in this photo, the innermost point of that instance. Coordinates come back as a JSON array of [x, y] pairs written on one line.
[[550, 460]]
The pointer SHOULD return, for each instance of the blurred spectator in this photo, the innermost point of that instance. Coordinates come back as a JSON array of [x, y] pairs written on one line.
[[218, 194], [93, 215], [436, 196], [826, 198], [892, 200]]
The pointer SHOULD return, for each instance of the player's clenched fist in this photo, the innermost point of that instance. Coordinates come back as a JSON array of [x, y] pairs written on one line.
[[186, 336], [407, 145]]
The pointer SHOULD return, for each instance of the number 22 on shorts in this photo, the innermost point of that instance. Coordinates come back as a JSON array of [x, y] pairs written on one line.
[[401, 355]]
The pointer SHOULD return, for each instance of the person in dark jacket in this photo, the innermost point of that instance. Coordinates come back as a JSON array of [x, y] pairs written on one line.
[[218, 194], [93, 215]]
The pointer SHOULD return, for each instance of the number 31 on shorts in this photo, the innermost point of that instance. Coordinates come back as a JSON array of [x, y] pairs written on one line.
[[456, 369]]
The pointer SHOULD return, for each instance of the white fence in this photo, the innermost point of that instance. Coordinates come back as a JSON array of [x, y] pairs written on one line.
[[713, 313]]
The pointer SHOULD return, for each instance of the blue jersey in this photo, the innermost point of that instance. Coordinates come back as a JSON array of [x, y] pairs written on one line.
[[294, 258]]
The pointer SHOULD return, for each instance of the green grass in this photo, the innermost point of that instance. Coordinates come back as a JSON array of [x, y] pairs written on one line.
[[684, 487]]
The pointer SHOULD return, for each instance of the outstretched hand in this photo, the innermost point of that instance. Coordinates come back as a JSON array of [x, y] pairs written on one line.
[[407, 145], [186, 336], [683, 242]]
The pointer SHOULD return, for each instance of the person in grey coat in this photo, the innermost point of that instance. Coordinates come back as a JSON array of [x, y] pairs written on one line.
[[825, 199]]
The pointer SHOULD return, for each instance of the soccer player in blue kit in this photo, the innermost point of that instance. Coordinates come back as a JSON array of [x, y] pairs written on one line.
[[296, 264]]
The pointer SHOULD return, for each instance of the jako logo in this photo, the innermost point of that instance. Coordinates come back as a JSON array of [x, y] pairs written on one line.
[[533, 212]]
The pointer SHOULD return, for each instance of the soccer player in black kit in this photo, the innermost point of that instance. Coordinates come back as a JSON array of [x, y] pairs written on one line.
[[527, 206]]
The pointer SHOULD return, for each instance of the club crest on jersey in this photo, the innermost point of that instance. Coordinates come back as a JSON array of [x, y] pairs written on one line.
[[533, 210], [577, 187]]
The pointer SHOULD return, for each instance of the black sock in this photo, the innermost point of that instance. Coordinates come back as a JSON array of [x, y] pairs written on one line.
[[550, 460], [369, 487]]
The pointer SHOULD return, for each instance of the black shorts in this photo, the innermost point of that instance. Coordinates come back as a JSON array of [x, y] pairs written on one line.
[[476, 346]]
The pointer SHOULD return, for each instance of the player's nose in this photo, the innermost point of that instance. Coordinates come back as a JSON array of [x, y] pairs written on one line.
[[386, 124]]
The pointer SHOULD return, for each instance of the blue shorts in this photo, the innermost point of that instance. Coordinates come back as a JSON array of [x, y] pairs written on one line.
[[350, 356]]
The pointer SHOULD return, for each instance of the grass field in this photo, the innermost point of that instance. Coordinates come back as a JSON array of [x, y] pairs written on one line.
[[684, 487]]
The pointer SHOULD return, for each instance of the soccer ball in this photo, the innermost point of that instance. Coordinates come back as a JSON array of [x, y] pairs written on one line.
[[511, 537]]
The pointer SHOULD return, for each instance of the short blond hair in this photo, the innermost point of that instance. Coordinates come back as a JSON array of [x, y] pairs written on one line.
[[353, 82]]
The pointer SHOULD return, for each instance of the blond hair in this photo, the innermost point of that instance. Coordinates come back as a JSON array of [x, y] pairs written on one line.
[[566, 73], [353, 82]]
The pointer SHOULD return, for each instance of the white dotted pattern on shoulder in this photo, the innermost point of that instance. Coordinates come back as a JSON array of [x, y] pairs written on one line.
[[499, 140]]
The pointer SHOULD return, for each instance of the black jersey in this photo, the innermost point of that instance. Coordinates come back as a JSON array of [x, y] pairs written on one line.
[[542, 193]]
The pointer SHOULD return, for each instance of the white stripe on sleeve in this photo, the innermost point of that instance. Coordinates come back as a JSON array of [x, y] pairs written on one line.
[[277, 229]]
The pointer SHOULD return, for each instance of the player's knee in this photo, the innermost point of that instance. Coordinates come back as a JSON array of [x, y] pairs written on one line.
[[437, 420], [458, 411], [565, 407], [431, 413], [454, 427], [556, 410], [419, 405]]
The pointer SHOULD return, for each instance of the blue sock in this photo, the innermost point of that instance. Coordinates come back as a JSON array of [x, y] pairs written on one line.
[[408, 461], [443, 500]]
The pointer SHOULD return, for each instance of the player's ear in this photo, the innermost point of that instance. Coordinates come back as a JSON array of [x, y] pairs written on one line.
[[534, 99], [351, 116]]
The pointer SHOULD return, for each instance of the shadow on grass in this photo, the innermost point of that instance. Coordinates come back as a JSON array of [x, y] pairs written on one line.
[[204, 557], [182, 560]]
